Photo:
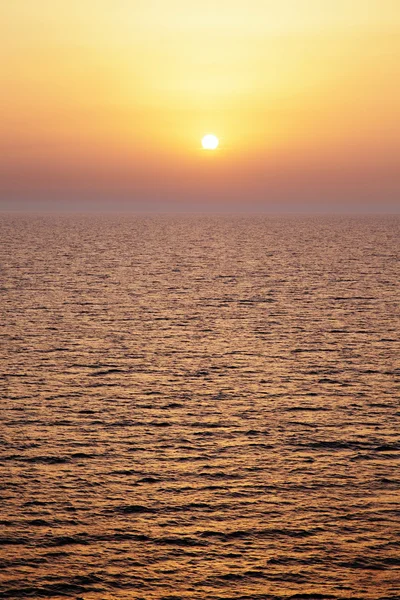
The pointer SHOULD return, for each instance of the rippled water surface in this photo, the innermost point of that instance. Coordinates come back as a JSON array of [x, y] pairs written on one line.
[[199, 408]]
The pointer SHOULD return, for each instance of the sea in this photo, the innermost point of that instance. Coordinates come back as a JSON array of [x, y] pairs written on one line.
[[200, 407]]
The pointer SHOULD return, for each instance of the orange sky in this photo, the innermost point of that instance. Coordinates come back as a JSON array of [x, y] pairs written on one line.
[[112, 97]]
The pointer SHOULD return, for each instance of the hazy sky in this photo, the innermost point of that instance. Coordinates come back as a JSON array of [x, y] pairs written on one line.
[[111, 98]]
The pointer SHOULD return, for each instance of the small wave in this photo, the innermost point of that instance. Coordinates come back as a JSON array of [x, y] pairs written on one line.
[[39, 523], [67, 540], [12, 541], [51, 460], [108, 372], [178, 541], [48, 591], [125, 472], [148, 480], [263, 533], [130, 509], [367, 563], [307, 408]]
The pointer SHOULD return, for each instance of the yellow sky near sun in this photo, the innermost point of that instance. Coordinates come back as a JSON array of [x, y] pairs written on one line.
[[119, 81]]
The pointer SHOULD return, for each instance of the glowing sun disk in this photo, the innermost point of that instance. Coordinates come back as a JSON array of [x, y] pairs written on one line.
[[210, 142]]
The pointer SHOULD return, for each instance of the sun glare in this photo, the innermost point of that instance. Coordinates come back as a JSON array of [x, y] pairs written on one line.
[[210, 142]]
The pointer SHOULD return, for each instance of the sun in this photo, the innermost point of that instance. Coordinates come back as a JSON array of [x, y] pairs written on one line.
[[210, 142]]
